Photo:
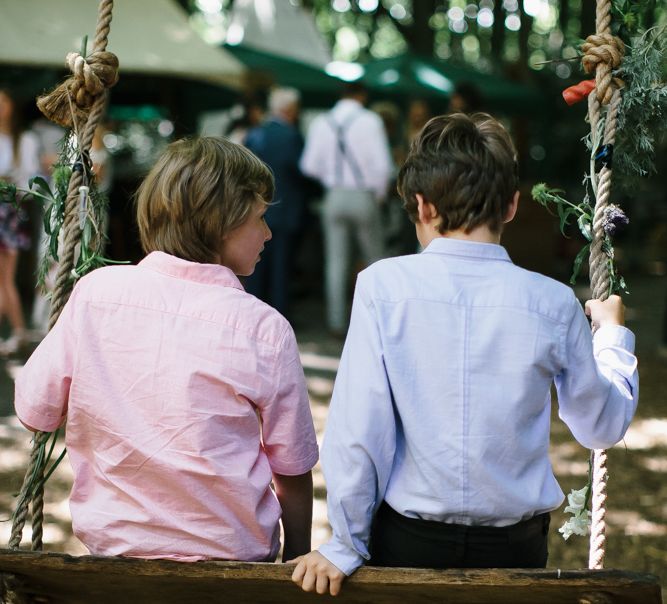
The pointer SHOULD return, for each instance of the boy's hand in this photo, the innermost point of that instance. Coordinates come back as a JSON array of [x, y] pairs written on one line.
[[609, 312], [314, 572]]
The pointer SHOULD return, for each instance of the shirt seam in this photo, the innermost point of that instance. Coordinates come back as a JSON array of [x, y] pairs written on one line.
[[175, 314], [466, 419], [466, 306], [190, 279]]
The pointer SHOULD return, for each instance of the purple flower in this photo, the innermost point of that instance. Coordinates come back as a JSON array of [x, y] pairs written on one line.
[[613, 219]]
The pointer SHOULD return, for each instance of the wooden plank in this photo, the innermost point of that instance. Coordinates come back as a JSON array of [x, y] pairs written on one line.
[[51, 578]]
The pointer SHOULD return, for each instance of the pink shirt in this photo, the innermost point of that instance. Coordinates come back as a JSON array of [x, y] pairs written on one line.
[[183, 394]]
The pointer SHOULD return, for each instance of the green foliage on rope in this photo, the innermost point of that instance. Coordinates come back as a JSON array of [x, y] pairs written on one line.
[[91, 215], [642, 117], [642, 121]]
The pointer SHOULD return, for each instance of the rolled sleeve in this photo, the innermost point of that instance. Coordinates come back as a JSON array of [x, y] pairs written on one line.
[[288, 433], [43, 384], [342, 556], [599, 387]]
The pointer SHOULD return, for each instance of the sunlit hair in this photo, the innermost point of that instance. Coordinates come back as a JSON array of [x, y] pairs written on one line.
[[199, 190], [465, 165]]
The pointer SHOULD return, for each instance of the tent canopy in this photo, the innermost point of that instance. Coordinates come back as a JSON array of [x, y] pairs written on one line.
[[149, 37], [317, 87], [412, 75], [279, 28]]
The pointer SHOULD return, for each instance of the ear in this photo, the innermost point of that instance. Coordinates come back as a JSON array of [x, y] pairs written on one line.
[[511, 209], [426, 211]]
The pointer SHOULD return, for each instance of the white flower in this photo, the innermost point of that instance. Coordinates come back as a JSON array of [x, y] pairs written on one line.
[[576, 501], [577, 525]]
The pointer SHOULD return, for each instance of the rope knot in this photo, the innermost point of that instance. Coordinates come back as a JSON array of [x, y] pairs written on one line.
[[91, 76], [602, 53]]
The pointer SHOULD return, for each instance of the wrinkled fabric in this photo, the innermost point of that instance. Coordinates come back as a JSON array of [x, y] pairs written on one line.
[[183, 394], [442, 403]]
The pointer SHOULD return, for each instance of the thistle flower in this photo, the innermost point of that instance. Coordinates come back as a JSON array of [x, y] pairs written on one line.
[[613, 219]]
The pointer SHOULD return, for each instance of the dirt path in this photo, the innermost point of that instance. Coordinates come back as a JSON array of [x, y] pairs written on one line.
[[637, 516]]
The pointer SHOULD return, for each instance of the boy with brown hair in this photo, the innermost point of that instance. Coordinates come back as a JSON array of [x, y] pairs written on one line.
[[436, 452], [184, 395]]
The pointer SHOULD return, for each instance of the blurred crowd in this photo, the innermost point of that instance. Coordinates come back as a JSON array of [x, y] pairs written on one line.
[[335, 209]]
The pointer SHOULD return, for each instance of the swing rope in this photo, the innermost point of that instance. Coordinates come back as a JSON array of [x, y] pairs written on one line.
[[602, 54], [80, 101], [77, 103]]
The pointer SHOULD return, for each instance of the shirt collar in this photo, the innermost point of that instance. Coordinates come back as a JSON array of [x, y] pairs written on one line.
[[214, 274], [467, 249], [347, 105]]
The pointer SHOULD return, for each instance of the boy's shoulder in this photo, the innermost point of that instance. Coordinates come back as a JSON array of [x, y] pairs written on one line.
[[416, 275], [106, 275]]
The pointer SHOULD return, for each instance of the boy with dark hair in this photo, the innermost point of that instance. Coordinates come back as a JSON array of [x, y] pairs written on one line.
[[436, 452]]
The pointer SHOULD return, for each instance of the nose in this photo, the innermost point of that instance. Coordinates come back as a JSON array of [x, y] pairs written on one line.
[[267, 235]]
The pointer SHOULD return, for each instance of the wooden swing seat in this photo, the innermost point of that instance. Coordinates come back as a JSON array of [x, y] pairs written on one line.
[[51, 578]]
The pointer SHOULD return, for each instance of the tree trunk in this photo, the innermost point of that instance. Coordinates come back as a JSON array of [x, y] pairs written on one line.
[[524, 32], [564, 15], [587, 19], [420, 36], [498, 33]]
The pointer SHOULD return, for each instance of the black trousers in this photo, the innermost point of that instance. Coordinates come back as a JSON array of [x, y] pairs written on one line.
[[409, 542]]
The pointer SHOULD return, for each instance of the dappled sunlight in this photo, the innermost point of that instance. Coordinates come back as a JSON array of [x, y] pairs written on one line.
[[655, 464], [320, 387], [631, 522], [319, 362], [646, 434]]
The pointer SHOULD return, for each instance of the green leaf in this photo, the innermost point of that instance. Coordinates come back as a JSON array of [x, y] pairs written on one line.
[[578, 261], [41, 185], [584, 224]]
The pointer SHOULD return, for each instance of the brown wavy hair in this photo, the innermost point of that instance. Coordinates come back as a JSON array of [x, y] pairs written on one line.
[[465, 165], [199, 190]]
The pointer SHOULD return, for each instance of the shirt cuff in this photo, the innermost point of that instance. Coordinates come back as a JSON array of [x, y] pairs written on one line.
[[613, 336], [44, 422], [343, 557]]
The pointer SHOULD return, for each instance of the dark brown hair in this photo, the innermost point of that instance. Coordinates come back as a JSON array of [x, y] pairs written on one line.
[[465, 165], [199, 190]]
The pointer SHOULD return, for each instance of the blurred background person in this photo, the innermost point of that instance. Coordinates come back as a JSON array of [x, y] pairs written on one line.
[[419, 112], [19, 161], [466, 98], [347, 151], [279, 144], [248, 114], [399, 232]]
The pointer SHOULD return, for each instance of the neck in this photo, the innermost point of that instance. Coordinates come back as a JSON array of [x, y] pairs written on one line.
[[480, 234]]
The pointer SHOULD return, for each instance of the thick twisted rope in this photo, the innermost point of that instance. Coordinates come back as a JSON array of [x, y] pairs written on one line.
[[602, 53], [82, 98]]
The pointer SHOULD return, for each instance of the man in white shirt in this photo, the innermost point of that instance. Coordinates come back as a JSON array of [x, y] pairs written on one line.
[[347, 151], [436, 452]]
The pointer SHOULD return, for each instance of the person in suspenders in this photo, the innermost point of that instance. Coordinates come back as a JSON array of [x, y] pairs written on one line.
[[347, 151]]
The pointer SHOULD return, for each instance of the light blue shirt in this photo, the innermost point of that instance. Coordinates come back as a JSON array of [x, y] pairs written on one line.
[[442, 401]]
